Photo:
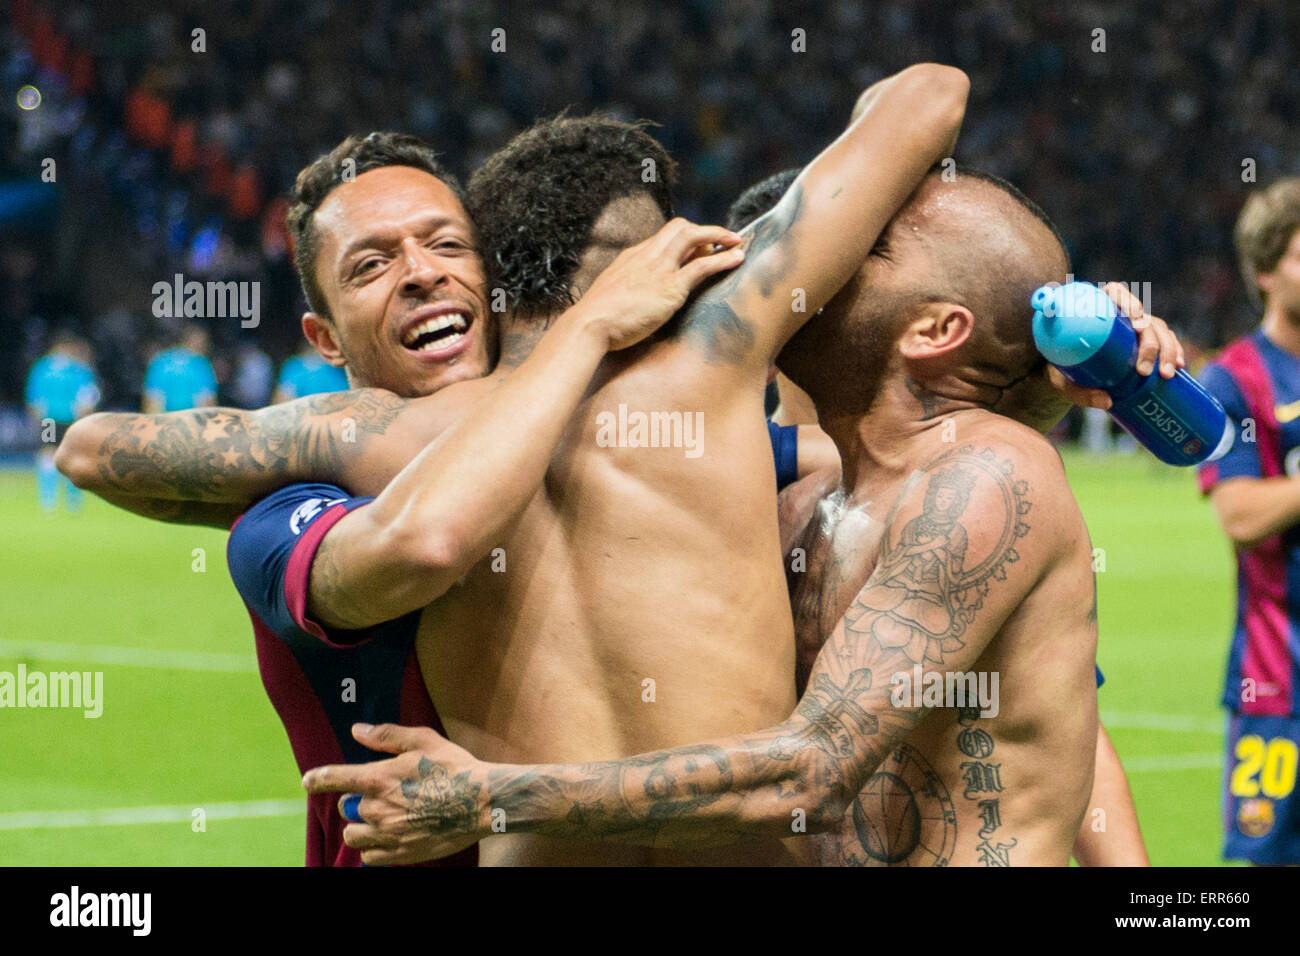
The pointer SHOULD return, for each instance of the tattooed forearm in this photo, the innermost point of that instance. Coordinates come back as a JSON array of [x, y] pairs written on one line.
[[924, 605], [233, 455]]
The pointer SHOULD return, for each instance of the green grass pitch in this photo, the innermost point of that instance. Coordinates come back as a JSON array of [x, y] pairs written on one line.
[[202, 734]]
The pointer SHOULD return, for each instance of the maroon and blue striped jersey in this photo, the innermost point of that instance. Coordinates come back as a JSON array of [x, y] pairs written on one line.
[[1258, 383], [322, 680]]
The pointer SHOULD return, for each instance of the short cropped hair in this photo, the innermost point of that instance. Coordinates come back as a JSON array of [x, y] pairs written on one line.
[[1264, 230], [759, 198], [1011, 190], [349, 159]]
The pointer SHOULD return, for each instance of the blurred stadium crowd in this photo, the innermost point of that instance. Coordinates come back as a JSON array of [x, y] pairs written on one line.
[[173, 149]]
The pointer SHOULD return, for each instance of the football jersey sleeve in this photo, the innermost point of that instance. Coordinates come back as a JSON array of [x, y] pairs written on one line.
[[1242, 460], [271, 549]]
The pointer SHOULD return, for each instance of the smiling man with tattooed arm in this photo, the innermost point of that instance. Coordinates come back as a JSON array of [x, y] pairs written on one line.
[[955, 546], [334, 582], [660, 510]]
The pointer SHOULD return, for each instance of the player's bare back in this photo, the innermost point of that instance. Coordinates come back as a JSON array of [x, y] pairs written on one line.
[[639, 603]]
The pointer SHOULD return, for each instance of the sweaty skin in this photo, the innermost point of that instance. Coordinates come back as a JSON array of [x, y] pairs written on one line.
[[954, 545], [882, 783], [963, 789], [641, 603], [641, 600]]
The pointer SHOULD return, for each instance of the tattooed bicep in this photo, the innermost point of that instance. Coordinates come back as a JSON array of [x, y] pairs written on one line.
[[955, 536]]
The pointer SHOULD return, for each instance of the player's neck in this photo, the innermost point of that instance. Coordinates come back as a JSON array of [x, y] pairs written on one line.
[[519, 336], [885, 440], [1282, 330]]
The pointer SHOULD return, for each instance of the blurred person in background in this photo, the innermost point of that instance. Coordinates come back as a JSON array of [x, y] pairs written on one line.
[[307, 373], [1256, 496], [181, 377], [250, 385], [61, 387]]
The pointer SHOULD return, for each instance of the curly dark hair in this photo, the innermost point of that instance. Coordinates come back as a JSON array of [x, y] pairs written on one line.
[[349, 159], [536, 200], [759, 198]]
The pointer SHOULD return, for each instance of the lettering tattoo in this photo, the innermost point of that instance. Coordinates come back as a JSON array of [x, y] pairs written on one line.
[[973, 741], [710, 322], [983, 778], [219, 454], [841, 762], [995, 854], [990, 816]]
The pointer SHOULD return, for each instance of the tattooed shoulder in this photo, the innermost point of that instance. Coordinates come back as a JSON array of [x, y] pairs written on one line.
[[930, 582]]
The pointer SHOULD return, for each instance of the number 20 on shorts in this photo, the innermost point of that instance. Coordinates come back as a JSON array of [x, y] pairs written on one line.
[[1270, 768]]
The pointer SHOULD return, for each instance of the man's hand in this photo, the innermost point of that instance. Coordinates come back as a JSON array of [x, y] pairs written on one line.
[[1154, 339], [647, 283], [420, 805]]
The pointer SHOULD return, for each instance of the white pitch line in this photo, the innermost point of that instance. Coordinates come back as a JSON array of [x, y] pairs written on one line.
[[130, 656], [1167, 762], [49, 819], [1175, 722]]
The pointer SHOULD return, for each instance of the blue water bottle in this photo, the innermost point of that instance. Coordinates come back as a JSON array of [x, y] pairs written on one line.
[[1079, 330]]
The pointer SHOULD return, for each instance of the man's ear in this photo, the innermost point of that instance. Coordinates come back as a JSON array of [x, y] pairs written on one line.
[[321, 334], [939, 328]]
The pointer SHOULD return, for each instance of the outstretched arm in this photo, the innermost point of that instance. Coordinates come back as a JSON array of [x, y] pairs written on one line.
[[162, 466], [434, 798], [800, 253]]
